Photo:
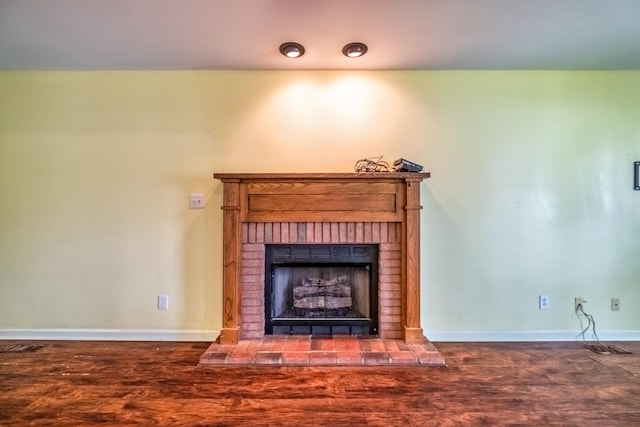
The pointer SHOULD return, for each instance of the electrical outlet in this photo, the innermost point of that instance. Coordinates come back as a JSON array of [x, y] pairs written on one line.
[[578, 302], [543, 302], [196, 201], [163, 302], [615, 304]]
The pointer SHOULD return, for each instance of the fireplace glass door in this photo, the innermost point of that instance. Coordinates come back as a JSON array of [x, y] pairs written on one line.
[[321, 289]]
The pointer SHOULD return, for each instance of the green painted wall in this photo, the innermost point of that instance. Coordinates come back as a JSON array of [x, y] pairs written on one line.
[[531, 189]]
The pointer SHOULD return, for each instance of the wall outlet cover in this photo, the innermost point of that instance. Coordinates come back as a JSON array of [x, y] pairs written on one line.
[[543, 302], [615, 304], [163, 302], [196, 201]]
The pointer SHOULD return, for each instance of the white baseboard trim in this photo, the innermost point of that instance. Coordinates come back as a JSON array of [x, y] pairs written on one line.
[[108, 334], [522, 336], [209, 335]]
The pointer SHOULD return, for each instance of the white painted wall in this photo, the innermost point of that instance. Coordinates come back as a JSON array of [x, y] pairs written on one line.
[[531, 191]]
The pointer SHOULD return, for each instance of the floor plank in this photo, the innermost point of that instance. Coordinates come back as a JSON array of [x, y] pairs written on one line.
[[124, 383]]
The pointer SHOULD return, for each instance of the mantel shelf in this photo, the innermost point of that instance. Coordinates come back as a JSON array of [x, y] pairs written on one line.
[[323, 176]]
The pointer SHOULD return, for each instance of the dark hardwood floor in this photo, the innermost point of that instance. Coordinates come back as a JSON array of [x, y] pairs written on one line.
[[124, 383]]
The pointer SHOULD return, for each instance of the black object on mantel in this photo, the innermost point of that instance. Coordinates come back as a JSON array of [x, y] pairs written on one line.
[[402, 165]]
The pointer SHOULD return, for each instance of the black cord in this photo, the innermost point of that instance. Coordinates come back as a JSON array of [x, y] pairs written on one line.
[[372, 164], [591, 323]]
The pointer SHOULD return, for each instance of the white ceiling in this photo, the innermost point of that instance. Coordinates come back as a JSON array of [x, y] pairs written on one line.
[[245, 34]]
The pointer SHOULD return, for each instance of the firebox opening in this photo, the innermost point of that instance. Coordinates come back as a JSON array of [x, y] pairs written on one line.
[[321, 289]]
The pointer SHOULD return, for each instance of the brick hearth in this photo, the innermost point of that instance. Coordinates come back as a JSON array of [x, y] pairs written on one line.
[[296, 350]]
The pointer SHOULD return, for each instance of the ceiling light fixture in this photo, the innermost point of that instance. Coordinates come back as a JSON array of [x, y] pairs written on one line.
[[292, 49], [354, 50]]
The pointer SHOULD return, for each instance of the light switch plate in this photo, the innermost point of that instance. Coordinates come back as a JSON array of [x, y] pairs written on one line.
[[196, 201]]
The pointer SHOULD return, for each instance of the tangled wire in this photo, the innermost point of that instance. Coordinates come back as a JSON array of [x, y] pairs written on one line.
[[372, 164]]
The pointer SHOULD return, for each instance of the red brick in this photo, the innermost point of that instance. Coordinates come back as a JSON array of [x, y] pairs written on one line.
[[252, 255], [433, 359], [388, 295], [390, 334], [310, 232], [251, 335], [375, 232], [251, 271], [386, 318], [377, 345], [359, 232], [253, 280], [386, 310], [327, 344], [244, 232], [258, 327], [295, 357], [375, 357], [390, 283], [259, 310], [268, 358], [322, 358], [390, 302], [390, 263], [334, 232], [342, 232], [386, 256], [392, 232], [390, 345], [326, 232], [316, 345], [303, 344], [302, 232], [276, 232], [284, 232], [253, 345], [240, 357], [403, 358], [293, 232], [384, 233], [392, 326], [252, 302], [393, 247], [256, 262], [351, 232], [251, 232], [257, 286], [268, 232], [317, 232], [265, 345], [367, 232], [260, 232], [385, 268], [252, 318], [349, 357]]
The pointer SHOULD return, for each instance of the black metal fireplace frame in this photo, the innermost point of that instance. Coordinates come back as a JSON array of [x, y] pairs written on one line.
[[277, 255]]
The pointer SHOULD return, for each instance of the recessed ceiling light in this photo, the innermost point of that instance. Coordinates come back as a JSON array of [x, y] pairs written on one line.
[[354, 50], [292, 49]]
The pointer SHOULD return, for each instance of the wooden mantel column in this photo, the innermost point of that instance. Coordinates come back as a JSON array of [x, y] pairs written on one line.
[[412, 331], [374, 197], [232, 256]]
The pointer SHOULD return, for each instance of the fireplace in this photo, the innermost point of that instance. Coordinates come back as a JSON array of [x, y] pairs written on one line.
[[321, 289], [262, 212]]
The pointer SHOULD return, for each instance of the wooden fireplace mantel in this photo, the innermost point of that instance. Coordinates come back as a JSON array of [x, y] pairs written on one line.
[[392, 197]]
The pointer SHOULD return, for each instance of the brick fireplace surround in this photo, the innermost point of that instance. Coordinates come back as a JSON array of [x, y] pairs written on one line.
[[330, 208]]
